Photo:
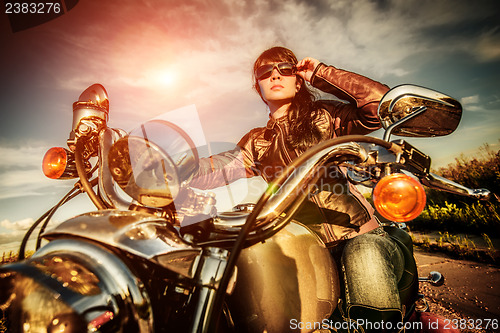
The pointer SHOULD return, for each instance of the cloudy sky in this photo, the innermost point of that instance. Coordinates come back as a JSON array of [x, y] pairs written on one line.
[[155, 56]]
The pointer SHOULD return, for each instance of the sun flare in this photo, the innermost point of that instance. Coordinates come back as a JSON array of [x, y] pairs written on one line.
[[165, 77]]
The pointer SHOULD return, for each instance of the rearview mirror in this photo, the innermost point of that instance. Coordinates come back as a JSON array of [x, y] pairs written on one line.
[[414, 111]]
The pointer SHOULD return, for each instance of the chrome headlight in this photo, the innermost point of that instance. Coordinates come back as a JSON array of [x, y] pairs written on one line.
[[73, 286]]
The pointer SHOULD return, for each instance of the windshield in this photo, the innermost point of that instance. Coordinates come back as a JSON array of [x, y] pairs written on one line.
[[165, 162]]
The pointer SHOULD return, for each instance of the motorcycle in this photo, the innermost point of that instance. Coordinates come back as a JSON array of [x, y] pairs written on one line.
[[156, 256]]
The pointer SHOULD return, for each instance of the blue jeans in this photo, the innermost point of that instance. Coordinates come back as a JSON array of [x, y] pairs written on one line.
[[372, 265]]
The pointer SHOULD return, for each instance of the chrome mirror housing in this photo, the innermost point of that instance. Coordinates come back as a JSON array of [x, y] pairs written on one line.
[[414, 111], [92, 103]]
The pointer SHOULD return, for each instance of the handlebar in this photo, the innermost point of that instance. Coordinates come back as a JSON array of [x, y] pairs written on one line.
[[437, 182]]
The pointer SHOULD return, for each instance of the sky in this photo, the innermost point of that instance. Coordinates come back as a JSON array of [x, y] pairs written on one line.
[[156, 56]]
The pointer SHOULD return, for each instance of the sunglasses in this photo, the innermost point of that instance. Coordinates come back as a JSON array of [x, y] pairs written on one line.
[[284, 68]]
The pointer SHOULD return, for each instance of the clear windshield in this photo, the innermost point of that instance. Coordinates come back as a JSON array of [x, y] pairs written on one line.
[[165, 162]]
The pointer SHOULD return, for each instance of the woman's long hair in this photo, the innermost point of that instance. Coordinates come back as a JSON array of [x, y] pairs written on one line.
[[302, 132]]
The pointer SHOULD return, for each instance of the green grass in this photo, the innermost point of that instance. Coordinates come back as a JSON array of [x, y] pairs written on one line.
[[459, 246], [475, 218], [452, 214]]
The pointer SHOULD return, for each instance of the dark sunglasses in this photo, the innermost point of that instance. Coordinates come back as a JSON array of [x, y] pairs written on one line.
[[284, 68]]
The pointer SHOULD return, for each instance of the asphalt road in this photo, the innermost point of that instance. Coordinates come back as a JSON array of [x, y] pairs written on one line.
[[471, 291]]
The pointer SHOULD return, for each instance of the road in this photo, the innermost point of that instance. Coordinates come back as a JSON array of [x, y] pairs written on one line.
[[471, 290]]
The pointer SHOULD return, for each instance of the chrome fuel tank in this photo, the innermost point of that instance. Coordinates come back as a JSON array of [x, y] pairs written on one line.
[[289, 281]]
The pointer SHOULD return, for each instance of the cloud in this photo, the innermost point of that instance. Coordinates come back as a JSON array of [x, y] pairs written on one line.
[[155, 56], [470, 99], [21, 155], [200, 39], [13, 233], [23, 224], [488, 46], [488, 104], [21, 174], [11, 241], [211, 44], [207, 48], [471, 103]]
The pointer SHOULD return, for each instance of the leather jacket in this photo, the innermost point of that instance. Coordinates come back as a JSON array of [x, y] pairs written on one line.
[[343, 212]]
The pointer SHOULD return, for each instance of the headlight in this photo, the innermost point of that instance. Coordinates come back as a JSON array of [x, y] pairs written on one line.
[[152, 162], [73, 286], [29, 306]]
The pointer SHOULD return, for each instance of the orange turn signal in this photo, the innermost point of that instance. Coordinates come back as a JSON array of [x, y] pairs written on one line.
[[54, 162], [399, 198]]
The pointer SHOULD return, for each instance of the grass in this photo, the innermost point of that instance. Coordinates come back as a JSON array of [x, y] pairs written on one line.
[[459, 246], [491, 251], [445, 212], [12, 257], [3, 328], [452, 214], [9, 257], [475, 218]]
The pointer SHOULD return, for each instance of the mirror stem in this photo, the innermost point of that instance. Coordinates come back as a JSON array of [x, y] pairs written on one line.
[[389, 129]]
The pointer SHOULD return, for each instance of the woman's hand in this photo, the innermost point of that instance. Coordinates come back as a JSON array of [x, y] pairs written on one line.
[[306, 67]]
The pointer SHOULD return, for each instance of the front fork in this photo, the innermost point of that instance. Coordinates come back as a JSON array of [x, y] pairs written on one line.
[[209, 273]]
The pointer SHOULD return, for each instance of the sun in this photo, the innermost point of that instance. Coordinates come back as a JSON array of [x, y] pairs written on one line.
[[165, 77]]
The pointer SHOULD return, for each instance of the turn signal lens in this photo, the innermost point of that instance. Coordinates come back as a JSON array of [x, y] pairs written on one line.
[[399, 198], [54, 162]]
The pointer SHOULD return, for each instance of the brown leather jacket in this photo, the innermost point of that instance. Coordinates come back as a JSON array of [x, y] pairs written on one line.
[[343, 212]]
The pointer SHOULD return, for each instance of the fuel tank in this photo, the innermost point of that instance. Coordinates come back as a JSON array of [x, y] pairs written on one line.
[[288, 282]]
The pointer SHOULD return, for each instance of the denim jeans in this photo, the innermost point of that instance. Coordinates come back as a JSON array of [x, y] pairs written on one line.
[[372, 264]]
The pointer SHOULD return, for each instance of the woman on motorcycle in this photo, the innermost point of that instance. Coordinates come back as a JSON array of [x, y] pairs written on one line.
[[371, 261]]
